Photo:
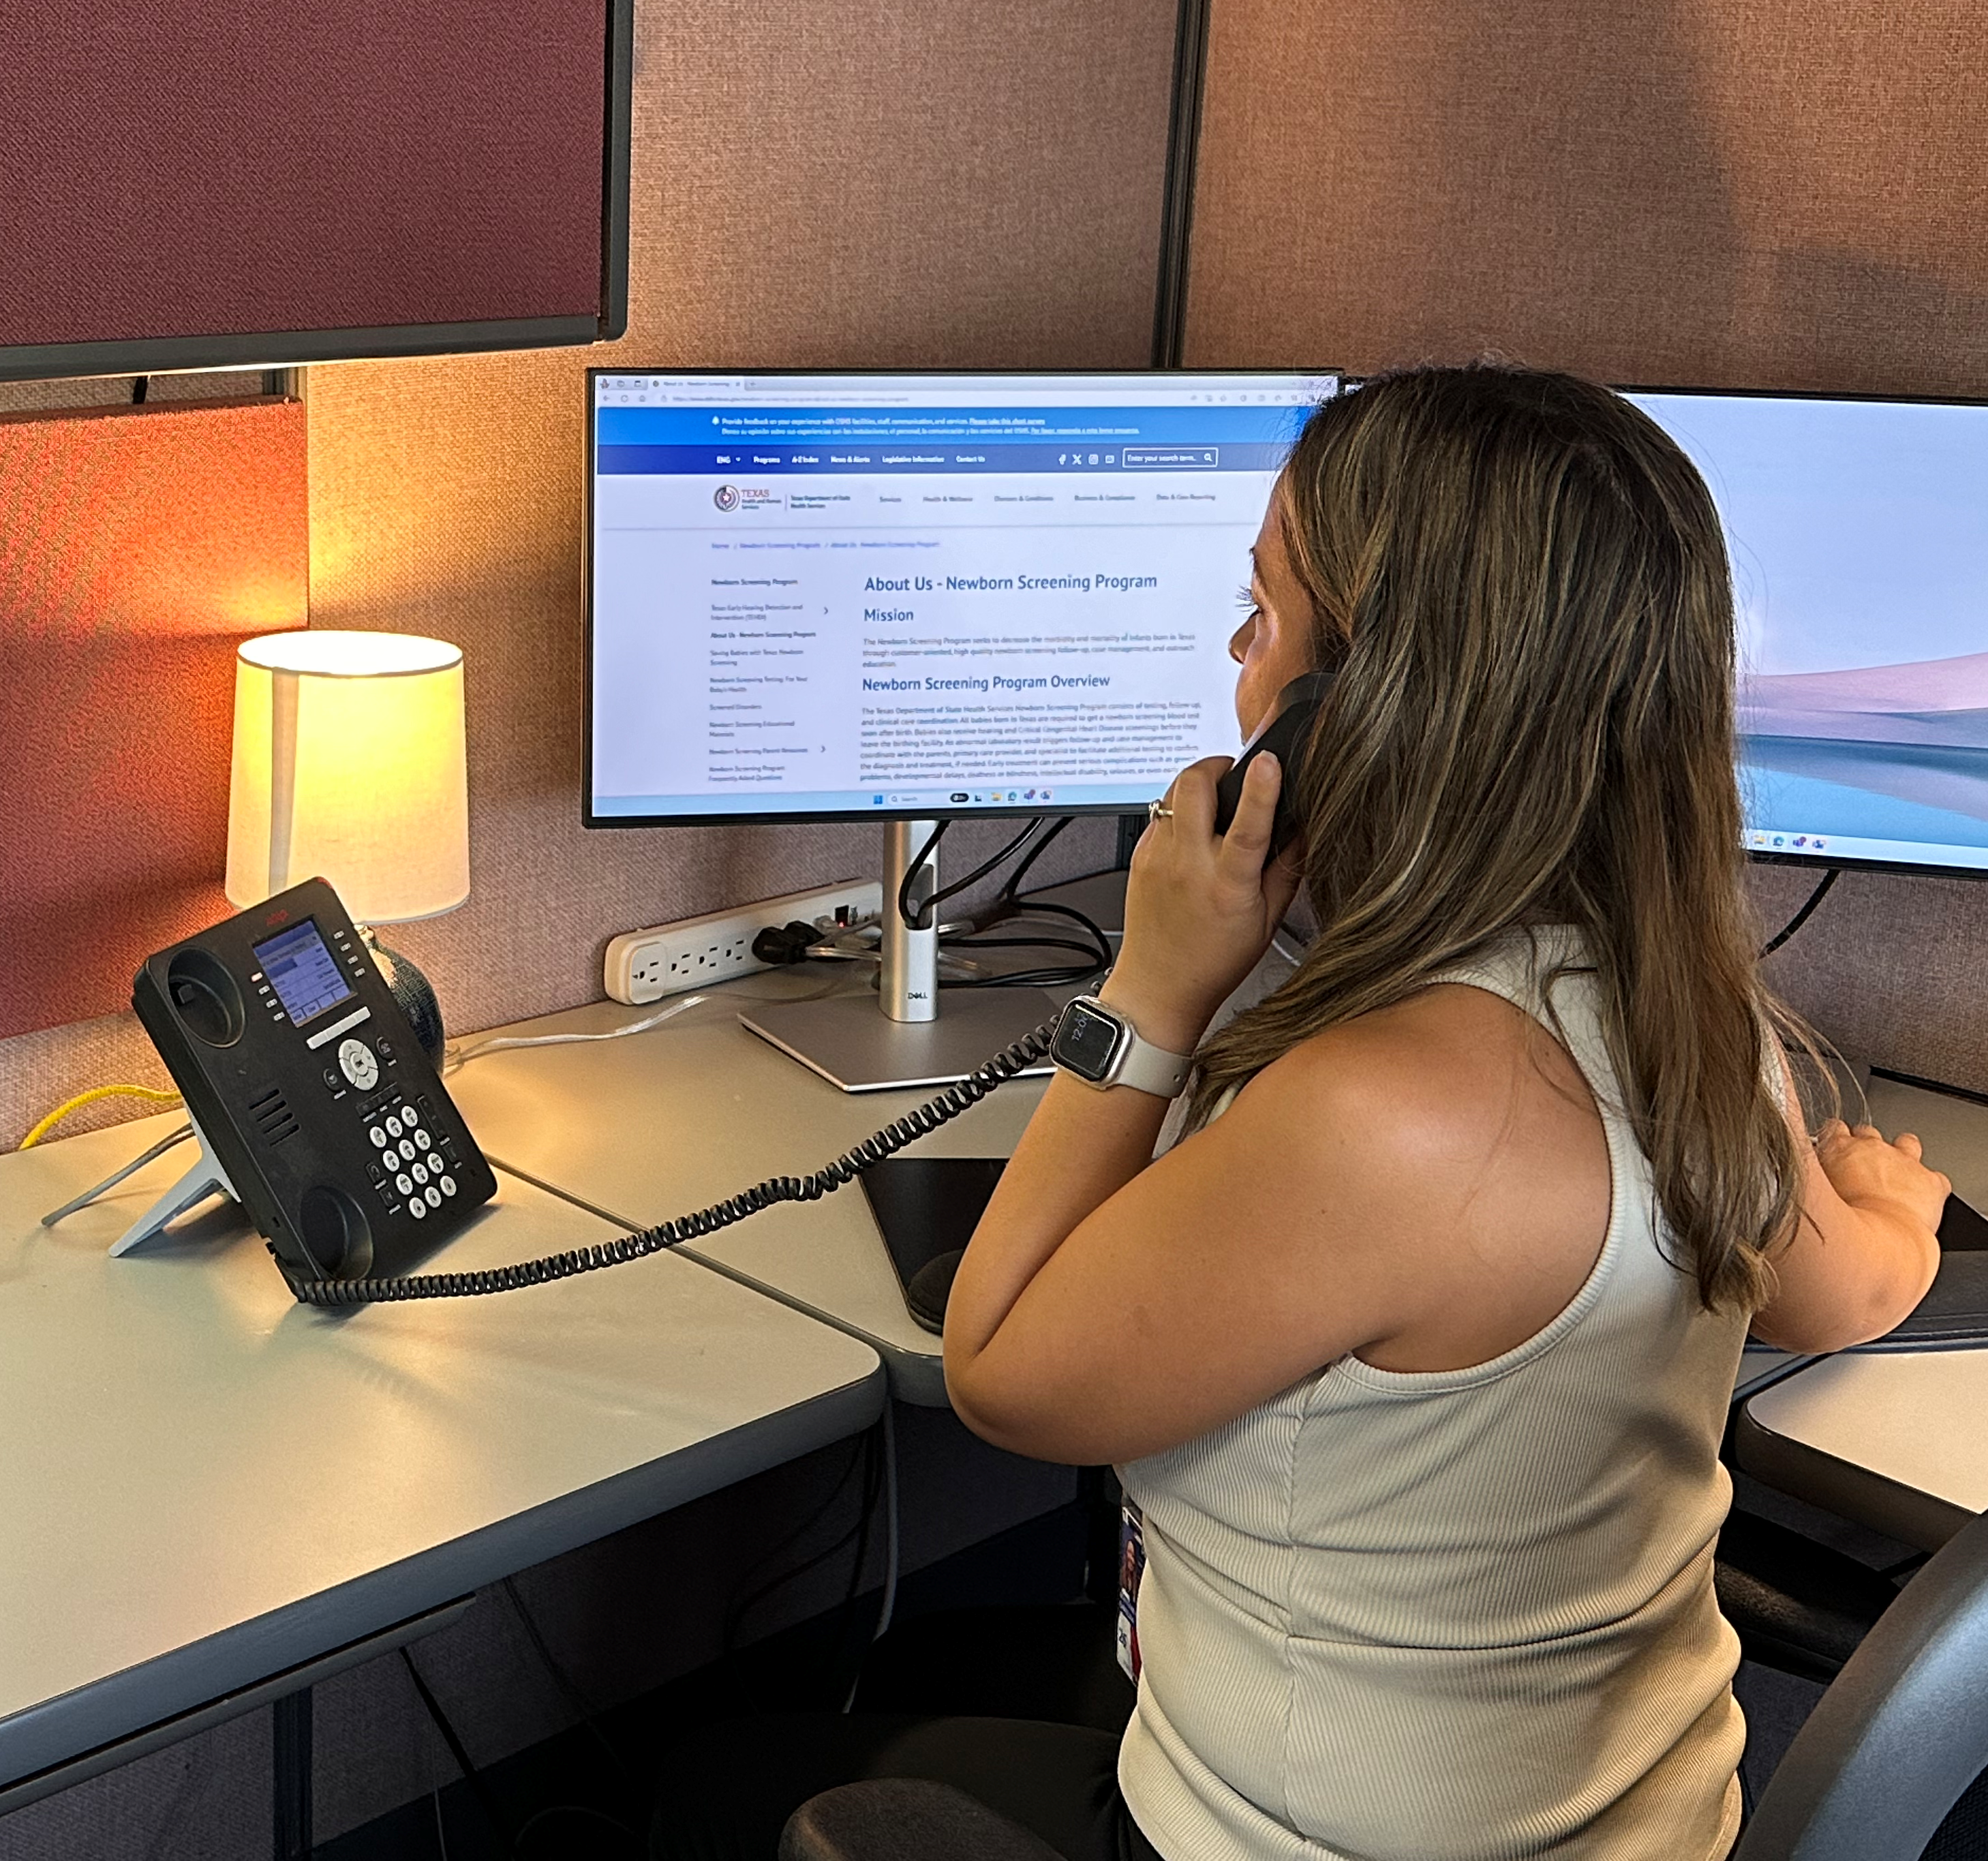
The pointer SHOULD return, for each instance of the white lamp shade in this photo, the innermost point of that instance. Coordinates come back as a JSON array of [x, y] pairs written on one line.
[[349, 766]]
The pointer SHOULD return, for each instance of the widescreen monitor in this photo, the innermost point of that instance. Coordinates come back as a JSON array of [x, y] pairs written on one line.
[[817, 596], [1858, 531]]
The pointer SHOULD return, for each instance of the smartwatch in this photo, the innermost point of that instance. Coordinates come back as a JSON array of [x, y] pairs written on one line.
[[1100, 1046]]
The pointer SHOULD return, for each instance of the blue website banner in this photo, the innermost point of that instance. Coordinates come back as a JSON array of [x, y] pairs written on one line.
[[822, 426], [624, 460]]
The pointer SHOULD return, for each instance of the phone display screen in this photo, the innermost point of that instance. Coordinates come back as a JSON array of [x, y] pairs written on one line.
[[303, 971]]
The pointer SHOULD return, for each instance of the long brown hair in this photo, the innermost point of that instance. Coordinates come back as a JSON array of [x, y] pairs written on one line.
[[1524, 584]]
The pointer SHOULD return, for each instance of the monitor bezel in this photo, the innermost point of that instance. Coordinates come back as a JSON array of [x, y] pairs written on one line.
[[812, 817], [1826, 861]]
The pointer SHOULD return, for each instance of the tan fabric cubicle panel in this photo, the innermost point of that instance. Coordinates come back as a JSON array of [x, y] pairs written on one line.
[[856, 183], [1786, 193], [1772, 193]]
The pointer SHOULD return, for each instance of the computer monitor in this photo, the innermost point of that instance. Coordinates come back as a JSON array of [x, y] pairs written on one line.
[[913, 598], [829, 596], [1858, 530]]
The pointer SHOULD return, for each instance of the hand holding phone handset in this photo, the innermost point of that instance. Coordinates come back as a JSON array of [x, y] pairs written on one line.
[[1285, 736]]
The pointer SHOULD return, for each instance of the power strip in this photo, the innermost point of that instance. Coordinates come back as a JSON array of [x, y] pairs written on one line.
[[646, 965]]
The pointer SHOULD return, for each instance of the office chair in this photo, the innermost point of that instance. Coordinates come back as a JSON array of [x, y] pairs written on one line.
[[1901, 1733]]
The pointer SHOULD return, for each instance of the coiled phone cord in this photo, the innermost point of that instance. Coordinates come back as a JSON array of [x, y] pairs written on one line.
[[891, 1139]]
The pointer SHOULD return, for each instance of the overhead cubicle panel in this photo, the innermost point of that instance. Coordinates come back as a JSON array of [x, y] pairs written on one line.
[[195, 184], [1773, 195], [138, 547]]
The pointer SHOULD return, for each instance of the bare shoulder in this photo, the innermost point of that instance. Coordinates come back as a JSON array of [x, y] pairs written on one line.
[[1437, 1079], [1449, 1144]]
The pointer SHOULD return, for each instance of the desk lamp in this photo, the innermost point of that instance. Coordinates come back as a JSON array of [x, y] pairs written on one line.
[[349, 766]]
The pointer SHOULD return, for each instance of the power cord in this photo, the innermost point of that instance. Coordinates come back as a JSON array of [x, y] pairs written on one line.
[[1803, 915], [927, 1118]]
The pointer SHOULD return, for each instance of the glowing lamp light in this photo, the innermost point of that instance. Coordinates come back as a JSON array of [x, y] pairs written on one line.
[[348, 764]]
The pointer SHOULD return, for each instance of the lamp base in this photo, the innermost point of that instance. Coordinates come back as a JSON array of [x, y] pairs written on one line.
[[415, 995]]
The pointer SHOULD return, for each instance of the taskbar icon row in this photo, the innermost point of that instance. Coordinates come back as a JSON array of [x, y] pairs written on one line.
[[962, 798]]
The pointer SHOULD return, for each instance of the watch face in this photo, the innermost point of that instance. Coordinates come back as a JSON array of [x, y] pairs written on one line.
[[1085, 1041]]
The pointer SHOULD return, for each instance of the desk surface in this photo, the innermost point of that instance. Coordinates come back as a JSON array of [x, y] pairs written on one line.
[[203, 1484], [1890, 1439], [664, 1123]]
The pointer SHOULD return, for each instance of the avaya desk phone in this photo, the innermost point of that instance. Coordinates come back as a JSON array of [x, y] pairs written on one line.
[[316, 1104]]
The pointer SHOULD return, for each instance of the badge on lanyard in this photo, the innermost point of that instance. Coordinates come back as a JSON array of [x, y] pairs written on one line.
[[1131, 1568]]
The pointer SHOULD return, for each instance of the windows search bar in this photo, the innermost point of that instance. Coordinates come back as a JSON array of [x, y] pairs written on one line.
[[1170, 458]]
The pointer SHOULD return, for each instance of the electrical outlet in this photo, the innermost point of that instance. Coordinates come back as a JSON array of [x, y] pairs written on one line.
[[646, 965]]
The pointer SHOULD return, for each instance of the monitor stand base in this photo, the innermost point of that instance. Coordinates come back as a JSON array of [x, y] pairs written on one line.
[[851, 1043]]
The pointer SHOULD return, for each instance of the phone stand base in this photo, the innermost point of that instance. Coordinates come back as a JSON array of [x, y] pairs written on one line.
[[204, 1177], [853, 1044]]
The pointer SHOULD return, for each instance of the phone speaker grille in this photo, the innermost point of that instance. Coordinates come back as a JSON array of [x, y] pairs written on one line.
[[273, 1117]]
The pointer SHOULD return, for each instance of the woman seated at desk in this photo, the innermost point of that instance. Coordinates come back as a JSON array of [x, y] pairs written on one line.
[[1416, 1352]]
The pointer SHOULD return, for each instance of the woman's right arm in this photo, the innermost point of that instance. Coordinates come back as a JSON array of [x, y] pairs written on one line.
[[1865, 1249]]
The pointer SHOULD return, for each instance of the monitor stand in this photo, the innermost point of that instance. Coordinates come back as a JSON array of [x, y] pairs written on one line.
[[899, 1038]]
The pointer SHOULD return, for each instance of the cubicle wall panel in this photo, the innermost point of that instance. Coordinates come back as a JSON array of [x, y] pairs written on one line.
[[185, 168], [137, 547], [1778, 193], [902, 186]]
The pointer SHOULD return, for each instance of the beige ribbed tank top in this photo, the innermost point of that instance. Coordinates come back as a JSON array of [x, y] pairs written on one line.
[[1464, 1615]]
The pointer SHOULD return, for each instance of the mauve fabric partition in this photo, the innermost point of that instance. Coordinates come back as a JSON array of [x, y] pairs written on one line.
[[176, 168], [137, 548]]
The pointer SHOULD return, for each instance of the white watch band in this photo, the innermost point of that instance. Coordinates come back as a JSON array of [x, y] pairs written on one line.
[[1146, 1068]]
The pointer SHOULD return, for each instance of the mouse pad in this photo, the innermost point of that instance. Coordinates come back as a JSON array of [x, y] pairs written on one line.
[[927, 1208]]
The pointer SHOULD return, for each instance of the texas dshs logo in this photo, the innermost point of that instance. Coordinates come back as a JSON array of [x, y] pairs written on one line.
[[726, 497]]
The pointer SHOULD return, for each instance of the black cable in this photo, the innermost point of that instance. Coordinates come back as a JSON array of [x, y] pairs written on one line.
[[981, 871], [926, 1119], [1099, 950], [906, 916], [857, 1458], [1035, 853], [570, 1693], [471, 1776], [736, 1614], [1803, 916]]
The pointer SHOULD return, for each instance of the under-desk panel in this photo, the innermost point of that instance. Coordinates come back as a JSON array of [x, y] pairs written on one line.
[[206, 1483], [669, 1121]]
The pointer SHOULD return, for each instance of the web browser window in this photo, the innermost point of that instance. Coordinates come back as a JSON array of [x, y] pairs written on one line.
[[1858, 531], [840, 594]]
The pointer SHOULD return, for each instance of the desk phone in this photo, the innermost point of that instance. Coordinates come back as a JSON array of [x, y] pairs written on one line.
[[304, 1078]]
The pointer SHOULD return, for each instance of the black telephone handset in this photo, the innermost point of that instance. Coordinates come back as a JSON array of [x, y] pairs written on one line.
[[301, 1073], [1285, 736]]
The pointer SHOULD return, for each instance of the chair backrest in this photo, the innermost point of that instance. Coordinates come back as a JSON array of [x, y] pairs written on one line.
[[1900, 1734], [904, 1819]]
